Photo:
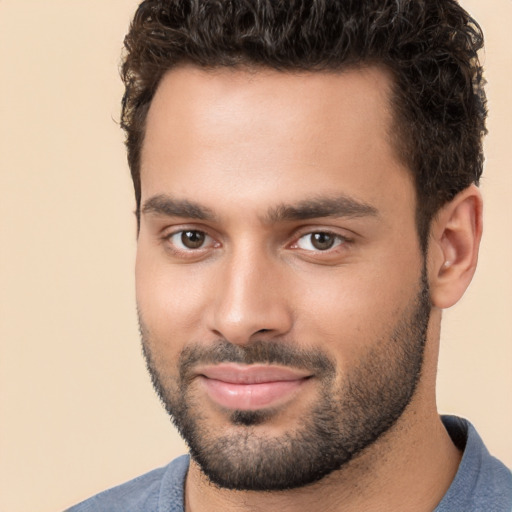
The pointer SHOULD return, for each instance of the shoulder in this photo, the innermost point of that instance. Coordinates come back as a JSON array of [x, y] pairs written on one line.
[[482, 482], [160, 490]]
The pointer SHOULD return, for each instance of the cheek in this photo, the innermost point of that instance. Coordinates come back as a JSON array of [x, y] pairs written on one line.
[[348, 311], [169, 299]]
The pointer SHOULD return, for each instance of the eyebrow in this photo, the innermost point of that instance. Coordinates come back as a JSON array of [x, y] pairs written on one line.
[[171, 207], [339, 206]]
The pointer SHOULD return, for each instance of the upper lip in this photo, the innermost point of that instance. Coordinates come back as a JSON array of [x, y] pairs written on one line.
[[251, 374]]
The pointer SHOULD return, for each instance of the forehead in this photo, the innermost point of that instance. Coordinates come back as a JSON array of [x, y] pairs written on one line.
[[268, 102], [263, 133]]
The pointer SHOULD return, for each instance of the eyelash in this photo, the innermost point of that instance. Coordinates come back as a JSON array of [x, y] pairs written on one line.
[[336, 239], [187, 250], [339, 240]]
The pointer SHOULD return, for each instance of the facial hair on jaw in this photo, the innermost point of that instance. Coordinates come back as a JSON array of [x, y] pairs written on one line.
[[346, 418]]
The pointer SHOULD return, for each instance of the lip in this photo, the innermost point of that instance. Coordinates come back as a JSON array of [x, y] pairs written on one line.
[[250, 387]]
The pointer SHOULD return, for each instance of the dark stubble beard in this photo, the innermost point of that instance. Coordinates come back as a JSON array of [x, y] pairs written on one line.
[[346, 418]]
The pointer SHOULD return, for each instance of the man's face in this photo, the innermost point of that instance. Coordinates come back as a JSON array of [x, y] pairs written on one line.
[[280, 286]]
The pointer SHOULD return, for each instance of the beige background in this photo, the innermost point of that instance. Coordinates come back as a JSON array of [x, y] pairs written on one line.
[[77, 412]]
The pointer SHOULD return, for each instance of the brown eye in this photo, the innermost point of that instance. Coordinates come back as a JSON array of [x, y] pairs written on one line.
[[319, 241], [322, 241], [192, 239], [190, 243]]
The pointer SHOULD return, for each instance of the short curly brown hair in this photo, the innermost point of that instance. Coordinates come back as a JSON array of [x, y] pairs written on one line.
[[430, 47]]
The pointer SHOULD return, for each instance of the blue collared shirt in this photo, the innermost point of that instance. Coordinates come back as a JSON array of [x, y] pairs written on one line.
[[482, 483]]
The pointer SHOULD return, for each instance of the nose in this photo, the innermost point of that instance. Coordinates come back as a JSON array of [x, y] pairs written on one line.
[[251, 299]]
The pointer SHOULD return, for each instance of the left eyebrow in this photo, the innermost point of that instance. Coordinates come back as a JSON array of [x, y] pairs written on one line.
[[340, 206]]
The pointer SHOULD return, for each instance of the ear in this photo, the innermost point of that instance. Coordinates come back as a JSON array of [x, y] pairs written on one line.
[[455, 236]]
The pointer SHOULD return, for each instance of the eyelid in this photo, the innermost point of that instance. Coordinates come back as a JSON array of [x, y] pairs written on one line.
[[344, 240], [210, 241], [171, 230]]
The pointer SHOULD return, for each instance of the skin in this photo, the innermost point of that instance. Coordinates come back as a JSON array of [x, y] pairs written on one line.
[[240, 144]]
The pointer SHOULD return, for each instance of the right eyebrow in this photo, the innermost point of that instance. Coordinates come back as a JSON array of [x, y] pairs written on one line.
[[170, 207]]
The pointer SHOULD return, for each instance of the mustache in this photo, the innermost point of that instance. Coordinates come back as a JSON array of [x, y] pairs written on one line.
[[257, 352]]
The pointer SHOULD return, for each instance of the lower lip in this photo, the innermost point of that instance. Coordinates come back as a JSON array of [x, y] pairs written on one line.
[[250, 396]]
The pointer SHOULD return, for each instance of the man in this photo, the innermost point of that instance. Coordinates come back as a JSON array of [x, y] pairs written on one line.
[[305, 176]]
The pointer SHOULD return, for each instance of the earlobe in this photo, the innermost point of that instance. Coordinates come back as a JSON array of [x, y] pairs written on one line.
[[454, 243]]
